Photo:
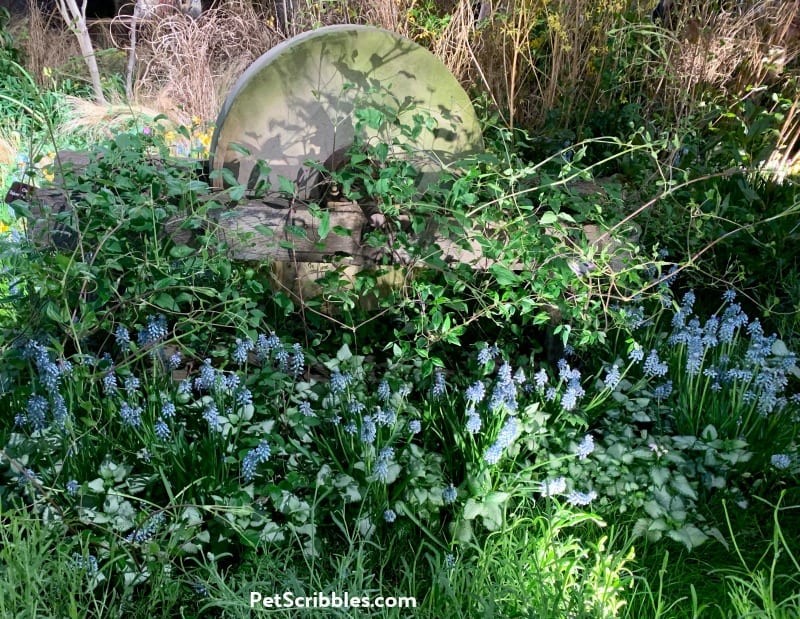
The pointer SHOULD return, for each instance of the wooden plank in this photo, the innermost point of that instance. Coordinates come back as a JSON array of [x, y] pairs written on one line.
[[256, 231]]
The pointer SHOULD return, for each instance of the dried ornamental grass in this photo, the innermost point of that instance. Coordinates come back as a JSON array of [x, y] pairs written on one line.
[[193, 63]]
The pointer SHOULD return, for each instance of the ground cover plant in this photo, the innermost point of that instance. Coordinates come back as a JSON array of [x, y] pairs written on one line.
[[601, 423]]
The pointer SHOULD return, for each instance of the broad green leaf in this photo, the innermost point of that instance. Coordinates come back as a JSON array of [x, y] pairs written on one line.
[[297, 231], [463, 532], [96, 485], [344, 354], [181, 251], [324, 225], [654, 510], [285, 185], [690, 536], [55, 312], [238, 148], [504, 275], [496, 498], [548, 218], [237, 192], [660, 475], [473, 509], [682, 485], [492, 517], [709, 433], [779, 349], [166, 301]]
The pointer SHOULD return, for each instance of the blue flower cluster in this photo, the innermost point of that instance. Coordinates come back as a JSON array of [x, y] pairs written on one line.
[[612, 377], [759, 374], [369, 431], [243, 347], [88, 565], [123, 338], [131, 416], [653, 366], [132, 385], [49, 374], [217, 382], [339, 382], [781, 461], [574, 390], [271, 348], [254, 457], [147, 530], [110, 382], [506, 436], [161, 429], [504, 394], [174, 361], [581, 498], [27, 477], [153, 333], [585, 447], [380, 471], [553, 487], [439, 385], [211, 415], [487, 353]]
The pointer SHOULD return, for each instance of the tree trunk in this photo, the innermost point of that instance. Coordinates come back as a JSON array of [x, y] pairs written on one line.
[[76, 20], [137, 11]]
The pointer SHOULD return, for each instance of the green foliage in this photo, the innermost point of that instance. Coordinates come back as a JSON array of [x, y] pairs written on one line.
[[518, 250], [728, 210], [135, 239]]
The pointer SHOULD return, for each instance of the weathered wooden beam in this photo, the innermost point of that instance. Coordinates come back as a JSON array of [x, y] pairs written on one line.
[[256, 231]]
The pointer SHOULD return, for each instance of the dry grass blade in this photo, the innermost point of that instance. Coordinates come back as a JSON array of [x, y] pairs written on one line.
[[191, 64], [101, 121]]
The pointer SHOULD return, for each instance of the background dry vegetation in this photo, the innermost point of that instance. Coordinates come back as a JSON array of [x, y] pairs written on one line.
[[538, 62]]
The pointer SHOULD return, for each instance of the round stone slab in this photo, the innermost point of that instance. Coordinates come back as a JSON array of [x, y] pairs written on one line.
[[298, 103]]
